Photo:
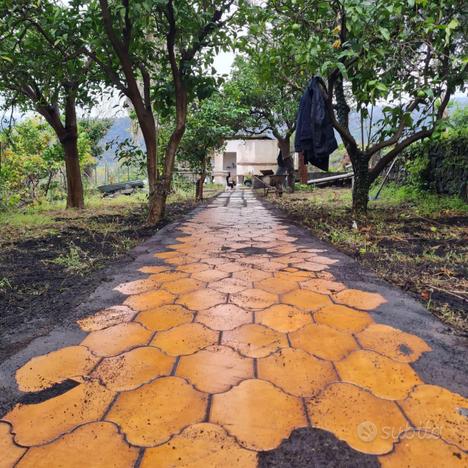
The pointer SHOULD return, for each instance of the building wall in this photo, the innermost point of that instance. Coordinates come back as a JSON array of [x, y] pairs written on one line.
[[252, 156]]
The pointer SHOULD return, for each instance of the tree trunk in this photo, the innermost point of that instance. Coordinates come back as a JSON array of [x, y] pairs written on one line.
[[75, 196], [303, 175], [148, 129], [157, 202], [285, 147], [361, 184], [199, 187]]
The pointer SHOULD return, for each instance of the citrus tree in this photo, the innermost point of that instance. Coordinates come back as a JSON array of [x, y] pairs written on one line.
[[406, 56]]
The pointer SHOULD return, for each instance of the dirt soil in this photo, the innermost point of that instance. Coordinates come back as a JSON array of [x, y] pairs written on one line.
[[424, 255], [46, 271]]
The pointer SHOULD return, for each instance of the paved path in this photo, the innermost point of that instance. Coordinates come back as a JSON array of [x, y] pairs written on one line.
[[240, 331]]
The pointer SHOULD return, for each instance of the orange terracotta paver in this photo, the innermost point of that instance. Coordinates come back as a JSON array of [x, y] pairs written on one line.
[[42, 372], [183, 285], [200, 445], [106, 318], [343, 318], [117, 339], [99, 444], [254, 299], [439, 411], [384, 377], [296, 372], [393, 343], [239, 334], [164, 317], [202, 299], [153, 413], [133, 368], [283, 318], [360, 299], [306, 300], [10, 452], [365, 422], [185, 339], [255, 340], [149, 300], [247, 413], [85, 403], [419, 449], [323, 341], [224, 317], [215, 369]]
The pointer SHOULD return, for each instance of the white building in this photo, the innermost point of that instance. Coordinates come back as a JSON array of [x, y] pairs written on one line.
[[243, 158]]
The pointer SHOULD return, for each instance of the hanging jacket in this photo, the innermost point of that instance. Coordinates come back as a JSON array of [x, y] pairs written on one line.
[[315, 136]]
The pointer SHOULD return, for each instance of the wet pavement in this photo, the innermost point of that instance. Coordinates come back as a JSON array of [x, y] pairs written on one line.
[[241, 341]]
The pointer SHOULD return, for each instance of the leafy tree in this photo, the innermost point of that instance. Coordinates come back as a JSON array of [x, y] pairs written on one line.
[[42, 69], [157, 52], [405, 53], [30, 158], [270, 99], [209, 123]]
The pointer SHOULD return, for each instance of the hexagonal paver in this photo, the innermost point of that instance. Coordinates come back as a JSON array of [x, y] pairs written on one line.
[[164, 317], [99, 444], [134, 368], [393, 343], [149, 300], [137, 286], [277, 285], [114, 340], [210, 276], [421, 449], [167, 276], [384, 377], [203, 445], [254, 299], [365, 422], [247, 411], [202, 299], [182, 260], [185, 339], [360, 299], [310, 266], [322, 286], [230, 285], [282, 317], [11, 453], [324, 260], [106, 318], [307, 300], [296, 372], [156, 411], [183, 286], [193, 267], [230, 267], [85, 403], [323, 341], [168, 254], [252, 274], [295, 275], [153, 269], [44, 371], [343, 318], [439, 411], [254, 340], [215, 369], [224, 317]]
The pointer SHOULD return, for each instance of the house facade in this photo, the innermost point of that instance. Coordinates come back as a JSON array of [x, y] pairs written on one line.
[[242, 158]]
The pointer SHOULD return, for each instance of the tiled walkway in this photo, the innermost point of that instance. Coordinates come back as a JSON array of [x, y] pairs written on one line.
[[237, 334]]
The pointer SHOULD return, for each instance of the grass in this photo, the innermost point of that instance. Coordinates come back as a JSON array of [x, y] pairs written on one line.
[[412, 239]]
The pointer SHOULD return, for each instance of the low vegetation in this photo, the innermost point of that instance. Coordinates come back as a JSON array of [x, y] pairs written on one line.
[[415, 240]]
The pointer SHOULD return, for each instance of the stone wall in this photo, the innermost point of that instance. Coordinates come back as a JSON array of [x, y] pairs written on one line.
[[440, 166]]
